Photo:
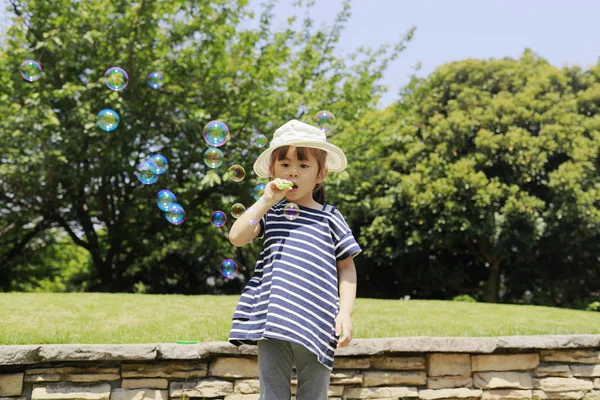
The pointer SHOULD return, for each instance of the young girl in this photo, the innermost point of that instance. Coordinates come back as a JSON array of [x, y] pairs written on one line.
[[301, 295]]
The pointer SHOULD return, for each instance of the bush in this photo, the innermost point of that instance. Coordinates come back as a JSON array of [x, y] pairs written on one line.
[[465, 298]]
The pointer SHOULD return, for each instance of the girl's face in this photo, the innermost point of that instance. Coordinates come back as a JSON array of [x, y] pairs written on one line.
[[303, 173]]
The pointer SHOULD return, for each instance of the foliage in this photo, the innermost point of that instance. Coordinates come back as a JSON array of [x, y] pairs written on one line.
[[482, 179], [60, 171]]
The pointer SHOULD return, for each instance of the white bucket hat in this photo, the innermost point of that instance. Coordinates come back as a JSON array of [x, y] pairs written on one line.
[[299, 134]]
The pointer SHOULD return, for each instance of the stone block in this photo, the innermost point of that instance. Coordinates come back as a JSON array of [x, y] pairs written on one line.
[[506, 394], [183, 370], [148, 383], [593, 395], [586, 370], [394, 378], [11, 385], [502, 379], [541, 395], [346, 377], [457, 393], [562, 384], [448, 382], [19, 355], [209, 387], [441, 364], [71, 391], [398, 363], [597, 383], [234, 367], [504, 362], [580, 356], [351, 363], [139, 394], [246, 386], [556, 370], [335, 391], [380, 392], [96, 352], [242, 397]]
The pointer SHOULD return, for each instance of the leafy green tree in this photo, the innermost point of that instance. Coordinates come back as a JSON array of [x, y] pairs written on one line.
[[59, 170], [484, 168]]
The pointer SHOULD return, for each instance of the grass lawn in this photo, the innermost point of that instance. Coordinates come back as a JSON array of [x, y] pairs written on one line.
[[33, 318]]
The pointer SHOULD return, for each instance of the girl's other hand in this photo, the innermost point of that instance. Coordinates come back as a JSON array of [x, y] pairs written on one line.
[[343, 326], [272, 192]]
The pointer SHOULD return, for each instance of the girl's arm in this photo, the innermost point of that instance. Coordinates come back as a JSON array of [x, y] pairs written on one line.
[[347, 289], [247, 226]]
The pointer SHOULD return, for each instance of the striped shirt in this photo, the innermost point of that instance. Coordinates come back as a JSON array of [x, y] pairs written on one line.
[[293, 293]]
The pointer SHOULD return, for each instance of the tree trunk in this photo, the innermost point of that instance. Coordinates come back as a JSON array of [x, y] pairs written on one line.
[[493, 283]]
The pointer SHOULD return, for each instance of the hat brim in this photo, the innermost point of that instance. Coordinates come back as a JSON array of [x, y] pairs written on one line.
[[336, 159]]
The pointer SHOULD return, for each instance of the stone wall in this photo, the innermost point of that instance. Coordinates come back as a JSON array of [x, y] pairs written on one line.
[[526, 367]]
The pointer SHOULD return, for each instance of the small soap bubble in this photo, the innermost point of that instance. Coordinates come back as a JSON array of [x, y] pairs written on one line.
[[164, 199], [175, 214], [216, 133], [218, 218], [155, 80], [324, 120], [237, 210], [237, 173], [291, 211], [31, 70], [116, 78], [258, 191], [259, 140], [213, 157], [146, 172], [228, 268], [108, 120], [161, 162]]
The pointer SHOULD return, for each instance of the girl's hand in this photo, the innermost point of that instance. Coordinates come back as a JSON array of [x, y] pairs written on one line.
[[273, 193], [343, 325]]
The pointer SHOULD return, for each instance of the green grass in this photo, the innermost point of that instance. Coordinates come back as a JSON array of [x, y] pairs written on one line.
[[32, 318]]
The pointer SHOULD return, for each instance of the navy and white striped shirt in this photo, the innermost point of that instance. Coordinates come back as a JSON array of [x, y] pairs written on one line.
[[293, 293]]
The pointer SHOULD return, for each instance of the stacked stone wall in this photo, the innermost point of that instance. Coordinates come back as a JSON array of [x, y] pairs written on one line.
[[531, 367]]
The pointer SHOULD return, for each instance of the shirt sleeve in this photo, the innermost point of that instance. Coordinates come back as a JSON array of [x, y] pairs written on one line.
[[343, 240]]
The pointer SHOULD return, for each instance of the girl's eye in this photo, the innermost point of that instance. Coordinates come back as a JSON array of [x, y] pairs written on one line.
[[284, 165], [303, 166]]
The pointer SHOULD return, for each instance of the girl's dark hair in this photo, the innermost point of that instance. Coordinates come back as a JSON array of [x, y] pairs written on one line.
[[302, 154]]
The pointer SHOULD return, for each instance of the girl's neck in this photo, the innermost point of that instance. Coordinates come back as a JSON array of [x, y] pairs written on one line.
[[308, 202]]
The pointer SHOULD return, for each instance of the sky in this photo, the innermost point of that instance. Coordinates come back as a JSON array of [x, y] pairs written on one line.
[[563, 32]]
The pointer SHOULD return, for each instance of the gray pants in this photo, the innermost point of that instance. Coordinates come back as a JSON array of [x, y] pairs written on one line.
[[275, 360]]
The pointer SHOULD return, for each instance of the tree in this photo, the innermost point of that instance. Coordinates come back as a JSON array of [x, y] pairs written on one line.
[[488, 164], [59, 170]]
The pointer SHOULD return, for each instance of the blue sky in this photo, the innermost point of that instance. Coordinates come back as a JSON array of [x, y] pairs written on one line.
[[563, 32]]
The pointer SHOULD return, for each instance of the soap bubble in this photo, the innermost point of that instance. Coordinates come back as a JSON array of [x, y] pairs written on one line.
[[116, 78], [213, 157], [30, 70], [108, 120], [237, 210], [175, 214], [237, 173], [258, 191], [215, 133], [164, 199], [146, 172], [161, 162], [324, 120], [259, 140], [291, 211], [155, 80], [218, 218], [228, 268]]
